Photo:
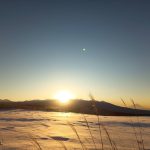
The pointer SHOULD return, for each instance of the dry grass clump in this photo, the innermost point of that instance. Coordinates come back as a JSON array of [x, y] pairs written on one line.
[[101, 128], [139, 139]]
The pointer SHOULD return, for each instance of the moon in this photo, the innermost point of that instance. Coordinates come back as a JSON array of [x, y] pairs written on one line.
[[84, 49]]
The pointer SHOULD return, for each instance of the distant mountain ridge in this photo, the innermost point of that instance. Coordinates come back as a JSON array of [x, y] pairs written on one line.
[[77, 106], [138, 106], [4, 100]]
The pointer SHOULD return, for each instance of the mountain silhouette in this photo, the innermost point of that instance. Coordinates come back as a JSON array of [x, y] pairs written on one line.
[[77, 106]]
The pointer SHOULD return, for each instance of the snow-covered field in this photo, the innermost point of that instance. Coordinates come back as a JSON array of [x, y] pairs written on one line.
[[24, 130]]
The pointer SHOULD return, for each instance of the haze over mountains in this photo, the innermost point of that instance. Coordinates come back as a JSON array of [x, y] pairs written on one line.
[[78, 106]]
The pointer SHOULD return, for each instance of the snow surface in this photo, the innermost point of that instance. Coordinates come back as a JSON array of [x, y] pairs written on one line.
[[22, 130]]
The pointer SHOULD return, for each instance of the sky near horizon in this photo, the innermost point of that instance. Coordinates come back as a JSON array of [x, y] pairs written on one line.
[[97, 46]]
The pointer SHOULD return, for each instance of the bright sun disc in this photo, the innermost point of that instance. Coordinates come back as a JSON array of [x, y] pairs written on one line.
[[64, 96]]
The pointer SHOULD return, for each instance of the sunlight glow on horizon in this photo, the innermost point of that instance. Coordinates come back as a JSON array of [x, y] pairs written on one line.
[[78, 46], [64, 96]]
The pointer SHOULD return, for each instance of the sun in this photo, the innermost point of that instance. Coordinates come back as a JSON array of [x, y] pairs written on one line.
[[64, 96]]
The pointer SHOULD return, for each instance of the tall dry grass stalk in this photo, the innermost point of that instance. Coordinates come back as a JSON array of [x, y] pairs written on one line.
[[79, 139], [141, 142], [112, 143], [90, 132], [98, 119], [132, 125], [101, 126], [38, 146]]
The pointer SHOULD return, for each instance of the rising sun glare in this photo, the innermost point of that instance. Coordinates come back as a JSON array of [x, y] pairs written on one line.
[[64, 96]]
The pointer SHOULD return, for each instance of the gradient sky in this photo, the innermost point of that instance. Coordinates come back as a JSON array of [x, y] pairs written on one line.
[[41, 44]]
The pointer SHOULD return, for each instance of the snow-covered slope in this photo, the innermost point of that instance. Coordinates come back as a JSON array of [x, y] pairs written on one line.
[[20, 129]]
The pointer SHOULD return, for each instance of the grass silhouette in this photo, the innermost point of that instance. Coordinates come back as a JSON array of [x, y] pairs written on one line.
[[102, 128]]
